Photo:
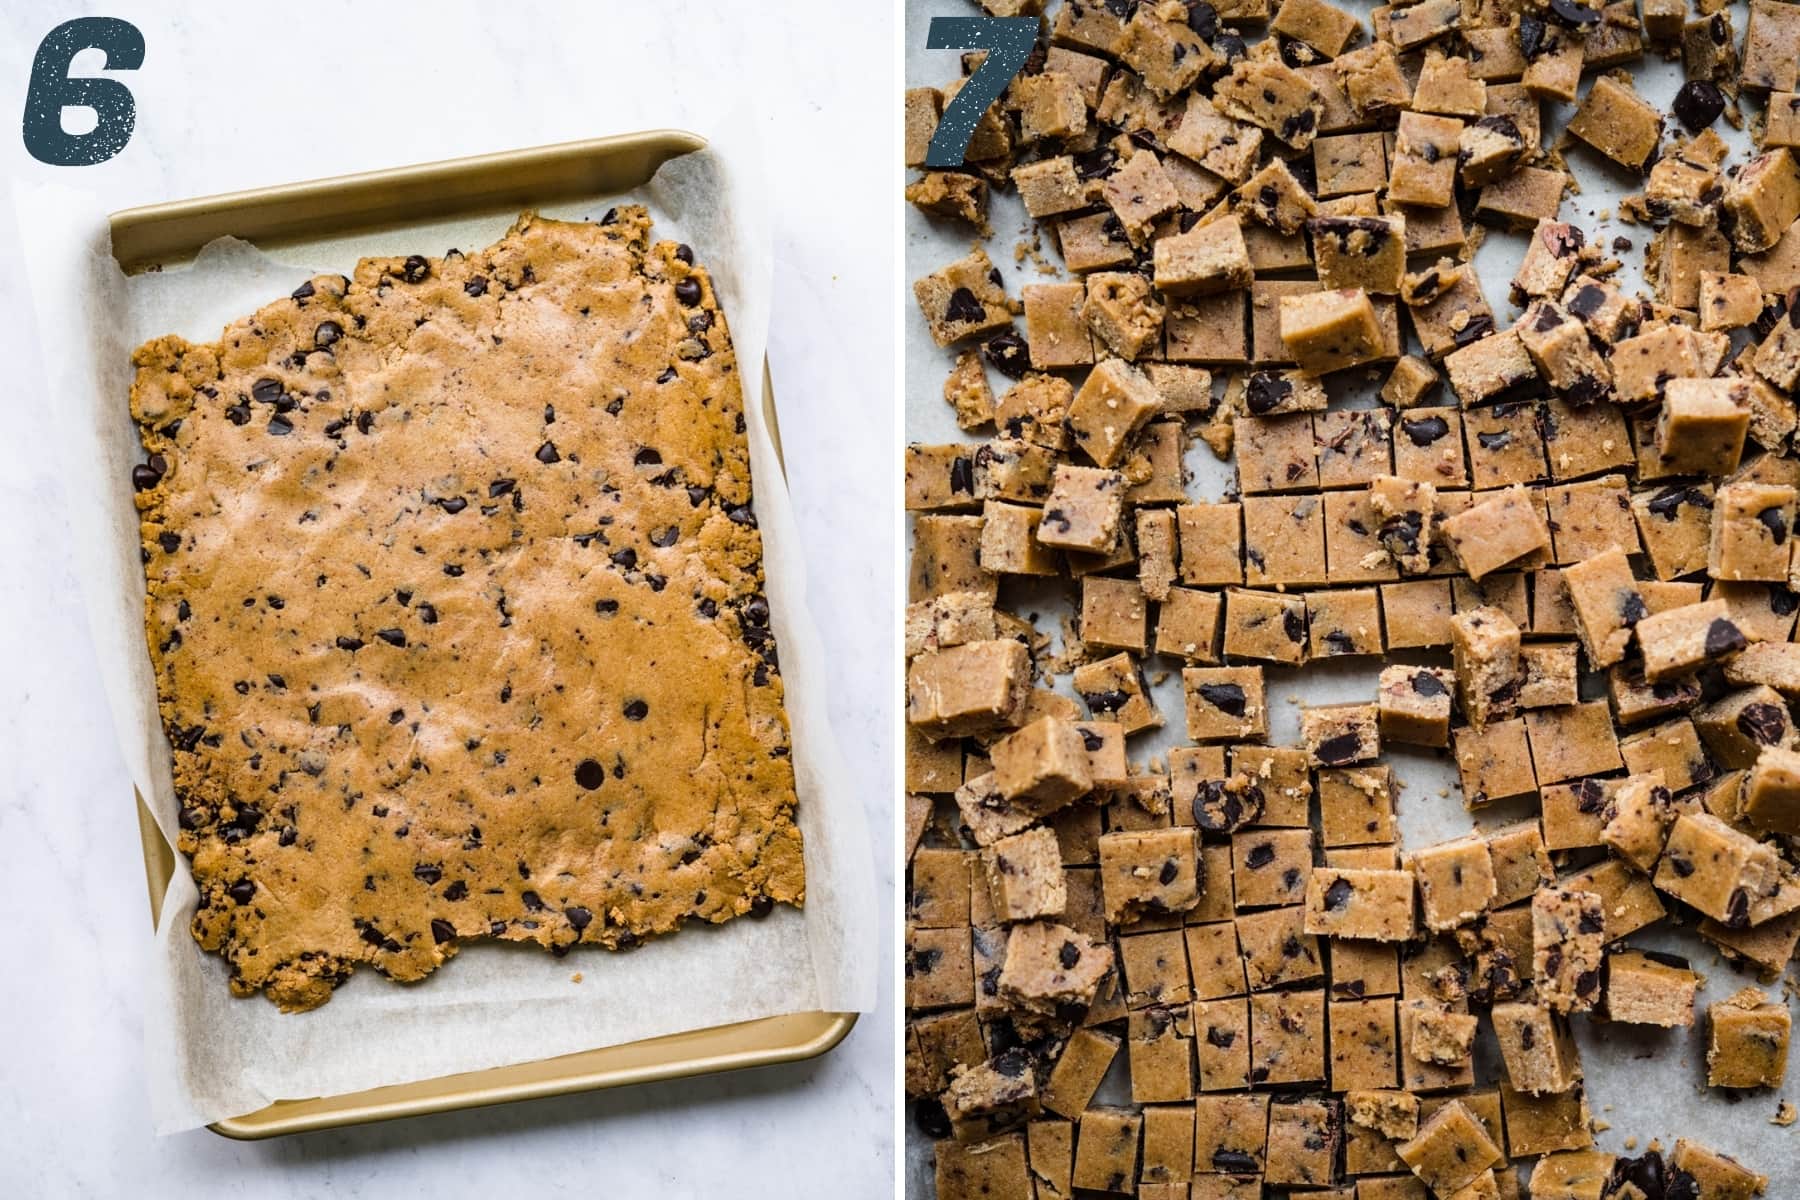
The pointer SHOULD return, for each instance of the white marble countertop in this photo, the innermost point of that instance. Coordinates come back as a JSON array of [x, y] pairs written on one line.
[[253, 95]]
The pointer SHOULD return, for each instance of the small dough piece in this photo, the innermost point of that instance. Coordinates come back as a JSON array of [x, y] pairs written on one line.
[[1338, 735], [1702, 426], [1425, 154], [1225, 703], [1149, 871], [1274, 97], [1360, 252], [1761, 200], [1619, 123], [1343, 903], [1648, 987], [1715, 868], [1114, 689], [1331, 330], [1607, 604], [1747, 1041], [1450, 1150], [974, 688], [1456, 881], [1271, 867], [1083, 510], [1048, 965], [1750, 531], [1485, 646], [1106, 1149], [1639, 811], [1044, 765], [1567, 934], [1123, 313], [1208, 258], [1443, 1037], [963, 299], [1496, 533], [1265, 625], [1113, 403], [1287, 1037], [1537, 1047], [1771, 799], [1413, 705], [1572, 1175], [1681, 640]]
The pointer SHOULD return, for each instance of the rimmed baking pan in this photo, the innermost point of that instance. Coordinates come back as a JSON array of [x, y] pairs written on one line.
[[161, 235]]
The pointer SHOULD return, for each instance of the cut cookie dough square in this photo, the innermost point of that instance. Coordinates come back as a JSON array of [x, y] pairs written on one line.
[[1356, 805], [1287, 1037], [1450, 1150], [1083, 510], [1648, 987], [1376, 905], [974, 688], [963, 299], [1269, 626], [1113, 689], [1331, 330], [1413, 705], [1750, 531], [1211, 538], [1567, 933], [1276, 454], [1270, 867], [1537, 1048], [1417, 613], [1503, 528], [1456, 881], [1338, 735], [1278, 951], [1284, 540], [1113, 613], [1222, 1050], [1428, 448], [1345, 622], [1187, 625], [1150, 872], [1225, 703], [1747, 1041], [1572, 741]]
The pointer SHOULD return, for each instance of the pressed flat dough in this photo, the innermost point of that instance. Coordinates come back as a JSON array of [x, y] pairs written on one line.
[[455, 602]]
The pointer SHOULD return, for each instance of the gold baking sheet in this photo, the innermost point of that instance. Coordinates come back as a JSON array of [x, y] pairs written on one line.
[[167, 234]]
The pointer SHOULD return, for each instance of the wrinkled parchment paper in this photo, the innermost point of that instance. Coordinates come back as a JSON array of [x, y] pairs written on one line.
[[211, 1056], [1643, 1083]]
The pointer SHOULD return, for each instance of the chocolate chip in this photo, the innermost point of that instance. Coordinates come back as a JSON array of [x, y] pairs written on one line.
[[1260, 855], [636, 710], [1775, 521], [476, 286], [1737, 909], [590, 774], [243, 891], [1698, 104], [1068, 956], [1336, 751], [1337, 896], [1168, 873], [547, 454], [147, 475], [442, 931], [1531, 36], [1764, 724], [327, 333], [1266, 390], [579, 917], [303, 292], [1425, 430], [349, 643], [964, 306], [1235, 1162], [1228, 698], [625, 558], [1426, 683], [280, 426], [1294, 625], [1723, 637], [1009, 354], [416, 269]]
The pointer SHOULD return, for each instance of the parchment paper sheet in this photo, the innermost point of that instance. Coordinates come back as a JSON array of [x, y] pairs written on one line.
[[210, 1055], [1644, 1083]]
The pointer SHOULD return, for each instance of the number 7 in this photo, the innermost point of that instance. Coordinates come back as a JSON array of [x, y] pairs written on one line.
[[1008, 42]]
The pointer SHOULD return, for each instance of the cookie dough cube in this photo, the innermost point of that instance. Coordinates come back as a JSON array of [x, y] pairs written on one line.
[[1639, 811], [1505, 445], [974, 688], [1740, 725], [1617, 122], [1407, 512], [1277, 950], [1761, 200], [1715, 868], [1083, 510], [1682, 640], [946, 558], [1443, 1037], [1747, 1041], [1702, 427], [1208, 258], [1113, 404], [1273, 97], [1521, 862], [1025, 875], [1338, 735], [1450, 1150], [1222, 1051], [1550, 675], [1211, 539], [1607, 604], [1123, 313], [1350, 163], [1225, 703], [1078, 1072], [1411, 383], [1490, 148], [1647, 987], [1417, 613], [1140, 192], [1265, 625], [1230, 1135], [1113, 613], [1567, 933], [1113, 689], [1571, 741], [1574, 813], [1151, 871], [939, 968], [1750, 528], [1106, 1149], [1330, 330], [1537, 1048], [1009, 544], [1356, 805], [1045, 764], [1287, 1037], [1303, 1138], [991, 1170], [1048, 965], [1284, 540], [1275, 454], [1413, 705], [1270, 867], [1485, 646], [1215, 962], [1498, 531], [1456, 881], [1539, 1125], [1281, 203], [1523, 198], [1675, 523], [1718, 1174], [1492, 369], [1344, 623], [1159, 1045], [1360, 252], [1354, 446], [1377, 905], [964, 299], [1187, 625], [1424, 160]]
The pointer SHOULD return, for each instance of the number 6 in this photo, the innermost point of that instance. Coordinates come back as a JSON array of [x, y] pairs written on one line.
[[52, 90]]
